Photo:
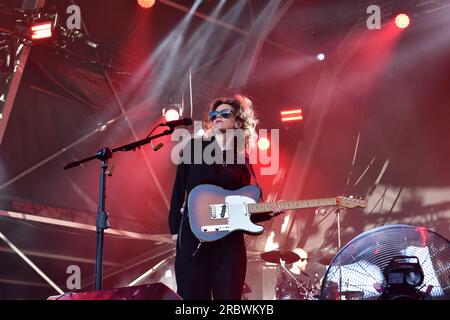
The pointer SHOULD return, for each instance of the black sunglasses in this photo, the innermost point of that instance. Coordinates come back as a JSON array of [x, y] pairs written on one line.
[[225, 113]]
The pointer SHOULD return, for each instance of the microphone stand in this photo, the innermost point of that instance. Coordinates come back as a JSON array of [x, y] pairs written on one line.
[[338, 214], [102, 216]]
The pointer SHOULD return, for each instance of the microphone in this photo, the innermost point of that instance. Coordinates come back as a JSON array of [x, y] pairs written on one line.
[[176, 123]]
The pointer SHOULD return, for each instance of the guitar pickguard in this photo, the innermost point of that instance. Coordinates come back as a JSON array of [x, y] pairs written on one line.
[[239, 217]]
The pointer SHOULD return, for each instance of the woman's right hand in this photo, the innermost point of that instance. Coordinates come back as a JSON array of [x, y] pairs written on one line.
[[175, 237]]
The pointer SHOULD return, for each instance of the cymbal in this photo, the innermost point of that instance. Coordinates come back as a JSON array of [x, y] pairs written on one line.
[[277, 256]]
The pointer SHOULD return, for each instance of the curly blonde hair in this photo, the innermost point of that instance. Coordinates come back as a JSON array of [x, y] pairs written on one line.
[[244, 114]]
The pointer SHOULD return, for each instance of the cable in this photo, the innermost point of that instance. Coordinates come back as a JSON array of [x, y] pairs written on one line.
[[153, 130]]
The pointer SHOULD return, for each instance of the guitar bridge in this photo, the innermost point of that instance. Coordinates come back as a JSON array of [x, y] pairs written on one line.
[[218, 211]]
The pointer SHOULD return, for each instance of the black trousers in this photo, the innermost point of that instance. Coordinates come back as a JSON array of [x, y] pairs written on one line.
[[213, 270]]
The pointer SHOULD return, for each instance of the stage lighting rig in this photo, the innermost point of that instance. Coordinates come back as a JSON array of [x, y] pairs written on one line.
[[35, 26], [43, 27]]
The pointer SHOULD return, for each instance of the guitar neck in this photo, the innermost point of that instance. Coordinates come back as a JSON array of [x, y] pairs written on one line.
[[254, 208]]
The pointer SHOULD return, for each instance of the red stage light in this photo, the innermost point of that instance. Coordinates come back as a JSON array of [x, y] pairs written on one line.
[[41, 31], [402, 21], [263, 144], [292, 115], [146, 3]]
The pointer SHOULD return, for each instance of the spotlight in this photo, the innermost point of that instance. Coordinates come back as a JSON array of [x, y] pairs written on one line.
[[402, 21], [41, 31], [43, 25], [172, 112], [320, 56], [146, 3], [292, 115], [263, 144], [403, 276]]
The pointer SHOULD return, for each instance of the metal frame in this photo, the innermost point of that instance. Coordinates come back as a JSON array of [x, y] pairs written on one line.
[[18, 73]]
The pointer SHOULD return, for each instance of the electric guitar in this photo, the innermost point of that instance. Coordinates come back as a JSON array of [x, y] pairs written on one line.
[[215, 212]]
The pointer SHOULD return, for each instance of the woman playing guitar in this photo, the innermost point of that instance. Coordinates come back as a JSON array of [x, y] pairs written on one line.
[[213, 270]]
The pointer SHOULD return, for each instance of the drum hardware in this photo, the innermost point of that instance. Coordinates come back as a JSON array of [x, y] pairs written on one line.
[[307, 294]]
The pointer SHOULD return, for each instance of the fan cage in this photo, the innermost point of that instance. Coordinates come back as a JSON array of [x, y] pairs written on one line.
[[356, 272]]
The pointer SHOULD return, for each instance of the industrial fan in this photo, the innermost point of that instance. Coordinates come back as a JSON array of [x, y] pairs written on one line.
[[393, 262]]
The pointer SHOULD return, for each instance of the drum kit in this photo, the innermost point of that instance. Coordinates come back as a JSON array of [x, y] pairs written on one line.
[[291, 285], [304, 286]]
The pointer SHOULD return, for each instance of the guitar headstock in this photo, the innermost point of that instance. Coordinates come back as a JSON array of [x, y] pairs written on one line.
[[351, 202]]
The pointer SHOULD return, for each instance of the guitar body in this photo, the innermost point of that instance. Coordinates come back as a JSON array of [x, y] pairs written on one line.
[[215, 212]]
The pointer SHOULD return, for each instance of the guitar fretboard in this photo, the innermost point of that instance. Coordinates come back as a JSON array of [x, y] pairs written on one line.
[[290, 205]]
